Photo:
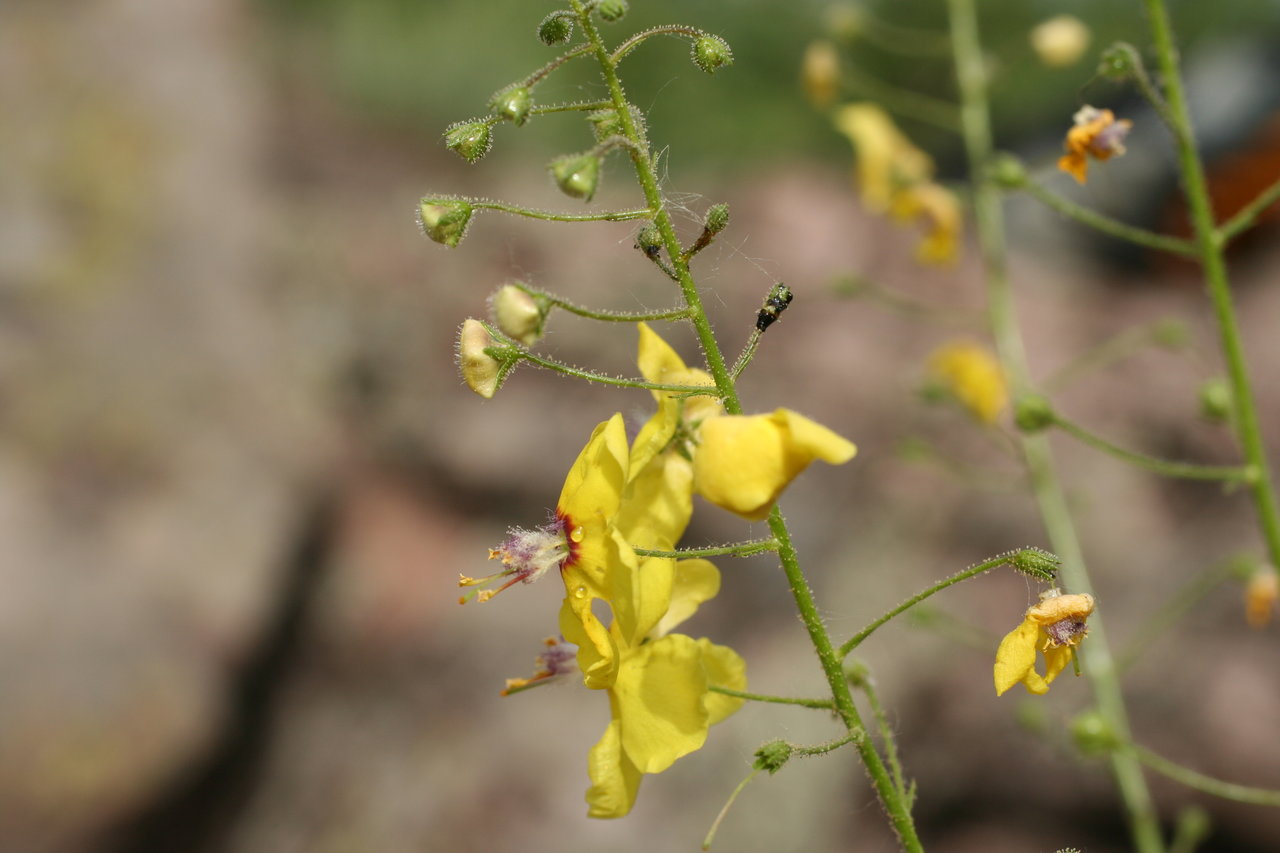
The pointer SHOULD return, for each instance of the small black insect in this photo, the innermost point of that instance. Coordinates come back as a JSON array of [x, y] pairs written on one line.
[[779, 298]]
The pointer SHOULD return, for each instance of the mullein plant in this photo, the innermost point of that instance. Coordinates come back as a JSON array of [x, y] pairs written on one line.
[[614, 537], [995, 385]]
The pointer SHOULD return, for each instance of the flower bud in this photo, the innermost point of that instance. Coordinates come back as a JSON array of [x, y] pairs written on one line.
[[1216, 400], [606, 123], [1037, 563], [1060, 41], [1092, 734], [1033, 413], [1118, 61], [649, 240], [772, 756], [611, 10], [857, 674], [518, 314], [470, 139], [480, 370], [1008, 171], [556, 28], [716, 219], [512, 103], [577, 175], [711, 52], [445, 220], [1260, 595]]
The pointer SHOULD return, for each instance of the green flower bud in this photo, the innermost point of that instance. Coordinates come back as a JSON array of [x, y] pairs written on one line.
[[1033, 413], [1036, 563], [772, 756], [1092, 734], [556, 28], [1216, 401], [716, 219], [512, 103], [711, 52], [1008, 171], [606, 122], [857, 674], [445, 220], [470, 139], [577, 175], [649, 240], [1118, 61], [518, 314], [611, 10]]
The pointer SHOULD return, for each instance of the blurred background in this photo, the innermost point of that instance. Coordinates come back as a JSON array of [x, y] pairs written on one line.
[[239, 474]]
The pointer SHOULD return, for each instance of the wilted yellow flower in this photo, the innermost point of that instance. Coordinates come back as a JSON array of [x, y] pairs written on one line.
[[1096, 134], [1055, 627], [974, 377], [1060, 41], [1260, 597], [896, 177], [820, 73], [480, 370]]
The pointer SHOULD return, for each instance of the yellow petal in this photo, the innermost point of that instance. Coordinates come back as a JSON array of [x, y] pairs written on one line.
[[973, 376], [658, 362], [660, 702], [658, 503], [1056, 659], [886, 159], [1016, 657], [606, 570], [696, 581], [593, 489], [615, 781], [1072, 606], [656, 434], [597, 650], [744, 462], [725, 668]]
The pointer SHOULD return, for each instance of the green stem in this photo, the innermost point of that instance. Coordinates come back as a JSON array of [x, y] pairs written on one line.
[[1181, 470], [821, 704], [1107, 225], [1201, 782], [710, 837], [607, 316], [856, 640], [1210, 242], [532, 213], [971, 75], [666, 29], [867, 686], [646, 175], [539, 75], [739, 549], [748, 353], [1111, 351], [591, 376], [1245, 217]]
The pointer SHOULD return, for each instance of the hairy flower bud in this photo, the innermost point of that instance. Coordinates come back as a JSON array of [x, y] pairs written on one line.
[[711, 52], [717, 218], [606, 123], [1008, 171], [649, 240], [773, 755], [1215, 400], [481, 371], [1033, 413], [556, 28], [1118, 61], [577, 175], [470, 139], [611, 10], [512, 103], [1037, 563], [1092, 734], [445, 220], [518, 314]]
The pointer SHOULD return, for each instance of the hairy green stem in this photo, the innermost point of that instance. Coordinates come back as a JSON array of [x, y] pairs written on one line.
[[820, 704], [971, 74], [1182, 470], [666, 29], [533, 213], [592, 376], [1107, 225], [1112, 351], [739, 549], [1210, 242], [867, 686]]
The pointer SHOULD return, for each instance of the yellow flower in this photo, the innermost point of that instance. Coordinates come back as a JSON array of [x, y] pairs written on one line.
[[973, 375], [820, 73], [1060, 41], [1096, 134], [518, 314], [1055, 627], [1260, 597], [896, 177], [740, 462]]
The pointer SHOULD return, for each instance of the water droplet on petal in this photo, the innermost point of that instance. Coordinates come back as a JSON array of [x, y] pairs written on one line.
[[580, 592], [577, 534]]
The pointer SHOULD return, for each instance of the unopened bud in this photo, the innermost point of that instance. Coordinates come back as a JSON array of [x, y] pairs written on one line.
[[606, 123], [1216, 400], [857, 674], [577, 175], [649, 240], [1008, 171], [470, 139], [556, 28], [1092, 734], [444, 220], [611, 10], [716, 219], [518, 314], [1033, 413], [772, 756], [1118, 61], [711, 52], [512, 103], [1260, 595], [1060, 41], [481, 371], [1037, 563]]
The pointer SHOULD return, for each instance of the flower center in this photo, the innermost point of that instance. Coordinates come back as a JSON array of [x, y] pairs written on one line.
[[526, 555]]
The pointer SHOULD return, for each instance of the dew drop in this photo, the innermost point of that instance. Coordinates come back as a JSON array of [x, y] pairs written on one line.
[[577, 534], [580, 592]]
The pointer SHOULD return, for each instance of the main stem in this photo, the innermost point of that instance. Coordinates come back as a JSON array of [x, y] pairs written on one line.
[[890, 797], [971, 77], [1210, 243]]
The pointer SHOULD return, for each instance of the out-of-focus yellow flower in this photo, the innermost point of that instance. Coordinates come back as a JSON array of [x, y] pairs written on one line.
[[820, 73], [1055, 627], [973, 376], [1260, 595], [896, 177], [1096, 134], [1060, 41]]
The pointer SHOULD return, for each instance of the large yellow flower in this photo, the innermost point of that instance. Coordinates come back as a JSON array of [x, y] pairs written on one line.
[[974, 376], [740, 462], [1055, 627]]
